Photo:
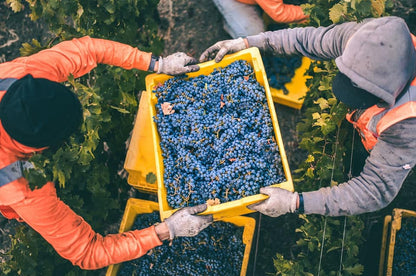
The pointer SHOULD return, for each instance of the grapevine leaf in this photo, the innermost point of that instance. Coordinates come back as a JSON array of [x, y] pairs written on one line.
[[309, 172], [80, 10], [310, 159], [15, 5], [151, 178], [378, 7], [355, 270], [119, 109], [316, 116], [323, 103], [332, 249], [337, 12], [110, 7]]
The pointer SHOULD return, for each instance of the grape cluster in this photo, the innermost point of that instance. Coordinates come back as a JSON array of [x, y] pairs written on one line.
[[404, 259], [217, 250], [219, 142], [281, 70]]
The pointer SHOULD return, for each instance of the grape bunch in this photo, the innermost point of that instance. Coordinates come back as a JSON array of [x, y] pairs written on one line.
[[281, 70], [217, 250], [219, 141], [404, 259]]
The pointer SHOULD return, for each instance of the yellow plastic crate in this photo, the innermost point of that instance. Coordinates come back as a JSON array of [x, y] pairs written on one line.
[[392, 224], [297, 88], [236, 207], [136, 207], [140, 158]]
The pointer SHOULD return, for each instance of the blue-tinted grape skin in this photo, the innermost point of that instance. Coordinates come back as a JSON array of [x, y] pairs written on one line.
[[217, 250], [220, 141], [404, 258]]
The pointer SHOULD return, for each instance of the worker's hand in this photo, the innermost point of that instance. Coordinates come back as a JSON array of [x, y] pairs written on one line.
[[280, 202], [221, 48], [186, 223], [177, 64]]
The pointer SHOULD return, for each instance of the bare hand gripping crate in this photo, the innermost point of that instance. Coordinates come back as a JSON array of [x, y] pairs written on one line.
[[236, 207], [136, 207]]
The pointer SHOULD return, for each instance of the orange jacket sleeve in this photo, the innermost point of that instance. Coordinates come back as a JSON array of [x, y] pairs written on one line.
[[74, 239], [78, 57], [281, 12]]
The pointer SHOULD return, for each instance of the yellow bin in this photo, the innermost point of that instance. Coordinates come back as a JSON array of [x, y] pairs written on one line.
[[392, 224], [140, 158], [297, 87], [136, 207], [236, 207]]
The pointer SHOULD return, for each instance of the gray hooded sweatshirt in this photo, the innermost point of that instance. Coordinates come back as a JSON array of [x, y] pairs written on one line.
[[378, 56]]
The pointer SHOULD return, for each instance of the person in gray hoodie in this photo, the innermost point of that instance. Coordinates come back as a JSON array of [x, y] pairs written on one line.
[[377, 63]]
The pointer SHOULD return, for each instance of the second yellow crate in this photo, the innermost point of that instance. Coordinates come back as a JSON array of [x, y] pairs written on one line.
[[297, 87], [392, 224], [136, 207]]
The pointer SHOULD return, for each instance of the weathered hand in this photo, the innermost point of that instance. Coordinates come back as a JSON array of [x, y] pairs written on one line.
[[186, 223], [221, 48], [177, 64], [280, 202]]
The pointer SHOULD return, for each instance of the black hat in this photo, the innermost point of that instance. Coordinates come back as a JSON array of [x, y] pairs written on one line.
[[349, 94], [39, 113]]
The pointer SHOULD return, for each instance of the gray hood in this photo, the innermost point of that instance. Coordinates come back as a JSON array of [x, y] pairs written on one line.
[[380, 57]]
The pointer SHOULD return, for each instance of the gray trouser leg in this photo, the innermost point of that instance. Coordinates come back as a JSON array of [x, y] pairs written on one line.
[[240, 20]]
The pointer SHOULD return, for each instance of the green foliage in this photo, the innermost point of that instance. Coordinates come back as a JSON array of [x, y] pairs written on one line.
[[31, 48], [151, 178], [86, 168], [325, 135], [325, 12]]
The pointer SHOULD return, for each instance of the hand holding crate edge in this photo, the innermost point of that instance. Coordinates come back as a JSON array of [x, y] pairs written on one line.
[[236, 207]]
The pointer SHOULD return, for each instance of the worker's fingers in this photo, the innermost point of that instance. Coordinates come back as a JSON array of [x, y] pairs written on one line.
[[191, 68], [255, 206], [197, 209], [208, 52], [221, 53], [190, 60], [268, 190]]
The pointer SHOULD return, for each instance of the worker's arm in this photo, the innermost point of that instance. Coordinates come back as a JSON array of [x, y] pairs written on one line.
[[281, 12], [384, 172], [80, 56], [75, 240], [322, 43]]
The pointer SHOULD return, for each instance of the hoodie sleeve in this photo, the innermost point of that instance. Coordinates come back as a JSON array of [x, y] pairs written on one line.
[[79, 56], [322, 43], [384, 172]]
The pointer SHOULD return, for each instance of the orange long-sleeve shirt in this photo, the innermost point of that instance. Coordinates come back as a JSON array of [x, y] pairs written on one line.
[[68, 233], [279, 11]]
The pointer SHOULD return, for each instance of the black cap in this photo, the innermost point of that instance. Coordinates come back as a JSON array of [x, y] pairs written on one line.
[[349, 94], [39, 113]]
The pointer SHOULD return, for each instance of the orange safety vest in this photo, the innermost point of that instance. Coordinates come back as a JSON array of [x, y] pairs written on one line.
[[374, 120]]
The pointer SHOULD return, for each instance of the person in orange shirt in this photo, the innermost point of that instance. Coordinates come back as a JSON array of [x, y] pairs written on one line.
[[37, 112], [243, 17]]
